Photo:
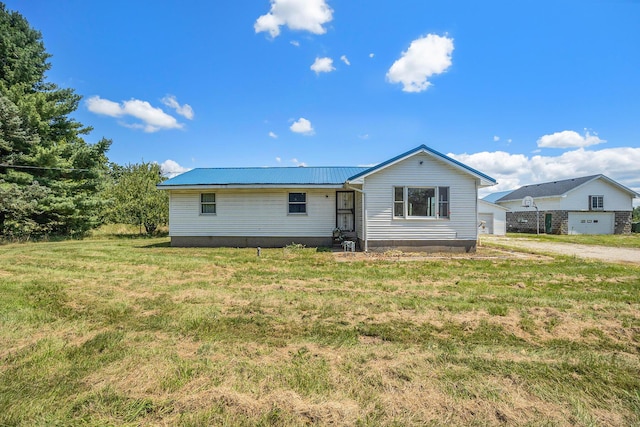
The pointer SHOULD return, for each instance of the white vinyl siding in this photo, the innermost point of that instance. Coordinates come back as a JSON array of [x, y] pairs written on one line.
[[421, 171], [260, 212], [496, 214]]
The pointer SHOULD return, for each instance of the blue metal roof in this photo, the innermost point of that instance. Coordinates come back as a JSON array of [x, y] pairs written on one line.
[[294, 175], [264, 176], [493, 197]]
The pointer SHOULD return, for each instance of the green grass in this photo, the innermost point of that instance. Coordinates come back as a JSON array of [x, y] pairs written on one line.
[[613, 240], [115, 331]]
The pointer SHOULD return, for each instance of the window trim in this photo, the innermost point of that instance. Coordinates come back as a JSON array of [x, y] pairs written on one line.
[[438, 204], [290, 203], [594, 198], [208, 203]]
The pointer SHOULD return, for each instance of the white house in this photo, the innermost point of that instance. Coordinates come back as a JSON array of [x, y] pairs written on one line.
[[419, 200], [592, 204], [492, 218]]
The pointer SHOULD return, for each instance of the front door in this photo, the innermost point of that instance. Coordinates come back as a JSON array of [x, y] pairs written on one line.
[[547, 223], [345, 210]]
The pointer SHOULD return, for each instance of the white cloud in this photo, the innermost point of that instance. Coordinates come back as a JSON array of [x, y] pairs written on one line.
[[344, 59], [302, 126], [364, 136], [298, 163], [303, 15], [515, 170], [496, 138], [278, 159], [153, 119], [371, 55], [97, 105], [426, 56], [569, 139], [323, 65], [296, 43], [273, 135], [184, 110], [171, 168]]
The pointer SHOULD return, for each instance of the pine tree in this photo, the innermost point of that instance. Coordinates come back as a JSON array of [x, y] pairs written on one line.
[[49, 176]]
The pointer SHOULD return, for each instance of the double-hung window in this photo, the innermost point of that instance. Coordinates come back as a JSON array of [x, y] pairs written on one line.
[[297, 203], [207, 203], [596, 203], [421, 202]]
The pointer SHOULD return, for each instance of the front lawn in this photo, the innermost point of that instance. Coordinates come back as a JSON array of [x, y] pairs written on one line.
[[134, 332]]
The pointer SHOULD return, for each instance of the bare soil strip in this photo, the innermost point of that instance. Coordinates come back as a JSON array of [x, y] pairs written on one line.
[[600, 253]]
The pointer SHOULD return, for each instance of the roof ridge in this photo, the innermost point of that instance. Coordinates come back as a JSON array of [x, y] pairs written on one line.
[[282, 167]]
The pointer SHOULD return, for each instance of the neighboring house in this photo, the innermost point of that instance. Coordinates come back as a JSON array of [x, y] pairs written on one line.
[[492, 218], [419, 200], [588, 205]]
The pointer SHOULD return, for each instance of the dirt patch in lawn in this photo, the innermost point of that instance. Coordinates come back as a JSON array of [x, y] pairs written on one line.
[[482, 253]]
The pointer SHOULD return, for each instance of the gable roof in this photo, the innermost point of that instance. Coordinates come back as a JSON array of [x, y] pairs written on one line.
[[299, 176], [262, 176], [558, 188], [485, 180]]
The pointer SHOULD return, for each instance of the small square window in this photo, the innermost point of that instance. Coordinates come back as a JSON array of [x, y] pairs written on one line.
[[208, 203], [297, 203]]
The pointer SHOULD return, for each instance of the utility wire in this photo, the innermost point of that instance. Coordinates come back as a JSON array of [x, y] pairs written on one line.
[[2, 165]]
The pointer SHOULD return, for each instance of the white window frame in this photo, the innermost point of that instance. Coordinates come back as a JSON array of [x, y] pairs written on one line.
[[204, 203], [297, 203], [599, 202], [436, 206]]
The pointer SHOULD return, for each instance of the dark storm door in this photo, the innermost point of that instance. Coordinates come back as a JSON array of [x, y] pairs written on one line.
[[547, 223], [345, 210]]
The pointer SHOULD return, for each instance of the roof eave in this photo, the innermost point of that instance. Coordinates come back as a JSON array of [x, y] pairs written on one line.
[[247, 186]]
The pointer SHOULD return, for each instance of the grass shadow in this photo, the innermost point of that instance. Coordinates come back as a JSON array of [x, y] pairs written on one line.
[[155, 245]]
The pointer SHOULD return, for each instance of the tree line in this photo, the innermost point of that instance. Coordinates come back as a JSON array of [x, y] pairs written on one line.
[[52, 182]]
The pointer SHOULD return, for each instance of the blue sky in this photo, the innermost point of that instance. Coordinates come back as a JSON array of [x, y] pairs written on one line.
[[523, 91]]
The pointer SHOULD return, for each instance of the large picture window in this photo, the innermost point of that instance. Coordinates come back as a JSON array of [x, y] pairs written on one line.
[[421, 202], [208, 203], [297, 203]]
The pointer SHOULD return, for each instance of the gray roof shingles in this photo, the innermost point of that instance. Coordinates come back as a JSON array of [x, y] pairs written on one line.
[[547, 189]]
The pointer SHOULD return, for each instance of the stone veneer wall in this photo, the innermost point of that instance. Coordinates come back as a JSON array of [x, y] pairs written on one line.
[[525, 222], [623, 222]]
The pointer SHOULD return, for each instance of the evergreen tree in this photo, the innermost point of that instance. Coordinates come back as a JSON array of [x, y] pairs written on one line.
[[49, 176]]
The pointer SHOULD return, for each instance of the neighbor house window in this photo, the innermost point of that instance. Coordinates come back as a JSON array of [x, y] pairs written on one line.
[[421, 202], [297, 203], [596, 203], [207, 203]]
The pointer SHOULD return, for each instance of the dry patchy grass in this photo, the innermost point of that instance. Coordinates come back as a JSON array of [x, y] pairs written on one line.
[[133, 332]]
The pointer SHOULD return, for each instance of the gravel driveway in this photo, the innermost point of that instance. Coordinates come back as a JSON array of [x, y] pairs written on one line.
[[601, 253]]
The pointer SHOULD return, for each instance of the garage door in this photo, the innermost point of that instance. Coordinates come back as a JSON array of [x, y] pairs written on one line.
[[591, 222], [486, 223]]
